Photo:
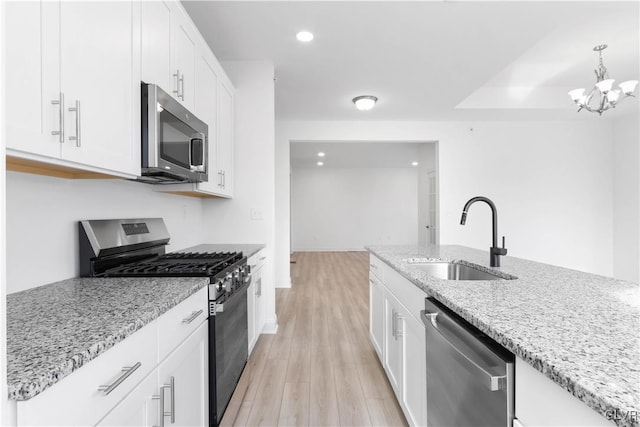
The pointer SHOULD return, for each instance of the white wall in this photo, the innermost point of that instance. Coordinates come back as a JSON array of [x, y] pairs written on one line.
[[348, 208], [626, 192], [551, 182], [42, 216], [230, 220]]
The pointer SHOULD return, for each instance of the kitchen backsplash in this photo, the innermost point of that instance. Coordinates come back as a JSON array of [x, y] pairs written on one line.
[[42, 215]]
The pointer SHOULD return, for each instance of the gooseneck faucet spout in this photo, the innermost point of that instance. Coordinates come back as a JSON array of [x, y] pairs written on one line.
[[494, 252]]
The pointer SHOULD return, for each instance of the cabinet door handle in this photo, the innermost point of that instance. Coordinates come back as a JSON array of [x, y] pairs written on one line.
[[77, 137], [219, 178], [192, 317], [399, 326], [60, 132], [126, 372], [172, 387], [393, 324], [263, 258], [260, 287], [181, 80], [224, 179], [177, 90], [160, 397]]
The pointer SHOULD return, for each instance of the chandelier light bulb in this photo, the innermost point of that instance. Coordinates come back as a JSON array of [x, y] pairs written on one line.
[[628, 87], [613, 96], [365, 102], [577, 94], [605, 85], [602, 95]]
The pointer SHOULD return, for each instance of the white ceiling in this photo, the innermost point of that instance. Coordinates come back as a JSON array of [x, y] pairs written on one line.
[[428, 60], [360, 154]]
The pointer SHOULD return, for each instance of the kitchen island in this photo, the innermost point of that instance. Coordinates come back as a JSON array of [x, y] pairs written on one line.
[[580, 330]]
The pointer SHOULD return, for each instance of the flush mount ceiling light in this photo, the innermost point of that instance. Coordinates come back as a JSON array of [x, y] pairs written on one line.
[[321, 154], [365, 102], [320, 163], [414, 163], [304, 36], [606, 97]]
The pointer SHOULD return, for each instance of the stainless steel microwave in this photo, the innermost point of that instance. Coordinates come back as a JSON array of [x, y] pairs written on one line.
[[174, 141]]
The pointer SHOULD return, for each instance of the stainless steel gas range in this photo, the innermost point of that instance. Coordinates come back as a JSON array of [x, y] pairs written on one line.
[[136, 248]]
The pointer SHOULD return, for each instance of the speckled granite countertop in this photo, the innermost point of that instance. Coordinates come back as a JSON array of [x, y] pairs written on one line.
[[53, 330], [580, 330], [246, 249]]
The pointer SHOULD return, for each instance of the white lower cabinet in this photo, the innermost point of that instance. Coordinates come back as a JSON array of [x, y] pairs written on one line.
[[160, 369], [255, 299], [398, 336], [184, 382], [376, 314], [139, 408]]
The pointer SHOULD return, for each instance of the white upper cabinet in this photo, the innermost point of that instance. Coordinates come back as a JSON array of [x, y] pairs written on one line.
[[33, 77], [225, 137], [183, 57], [74, 91], [198, 77], [156, 45]]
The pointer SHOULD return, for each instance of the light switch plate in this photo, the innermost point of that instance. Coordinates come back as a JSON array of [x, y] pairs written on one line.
[[257, 214]]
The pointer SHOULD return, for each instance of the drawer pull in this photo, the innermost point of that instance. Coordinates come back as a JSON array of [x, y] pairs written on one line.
[[192, 317], [126, 372], [262, 258]]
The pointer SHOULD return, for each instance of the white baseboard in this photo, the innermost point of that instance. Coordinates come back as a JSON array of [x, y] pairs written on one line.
[[360, 249], [284, 284], [270, 328]]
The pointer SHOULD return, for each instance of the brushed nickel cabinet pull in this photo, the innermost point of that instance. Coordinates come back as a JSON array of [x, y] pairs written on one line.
[[60, 132], [126, 372], [192, 317], [77, 137]]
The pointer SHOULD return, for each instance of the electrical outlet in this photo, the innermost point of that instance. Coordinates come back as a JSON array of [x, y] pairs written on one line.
[[257, 214]]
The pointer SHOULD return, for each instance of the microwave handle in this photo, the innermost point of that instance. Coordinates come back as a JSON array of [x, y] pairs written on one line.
[[198, 168]]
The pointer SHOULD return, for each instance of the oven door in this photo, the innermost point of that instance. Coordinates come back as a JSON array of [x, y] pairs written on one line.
[[229, 342], [174, 141]]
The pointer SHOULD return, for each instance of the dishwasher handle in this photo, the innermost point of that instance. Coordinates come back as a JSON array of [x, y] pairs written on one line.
[[493, 382]]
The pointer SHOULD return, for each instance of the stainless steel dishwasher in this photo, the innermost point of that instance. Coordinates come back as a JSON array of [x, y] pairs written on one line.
[[470, 378]]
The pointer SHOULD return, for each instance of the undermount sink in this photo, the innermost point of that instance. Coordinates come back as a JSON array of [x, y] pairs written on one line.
[[454, 271]]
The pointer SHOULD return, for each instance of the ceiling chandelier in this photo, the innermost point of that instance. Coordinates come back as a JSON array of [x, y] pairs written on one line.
[[602, 94]]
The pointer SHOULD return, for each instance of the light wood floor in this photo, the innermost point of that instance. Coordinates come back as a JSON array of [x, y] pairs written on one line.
[[320, 369]]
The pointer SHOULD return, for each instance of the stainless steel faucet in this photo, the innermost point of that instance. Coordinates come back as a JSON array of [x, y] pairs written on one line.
[[494, 251]]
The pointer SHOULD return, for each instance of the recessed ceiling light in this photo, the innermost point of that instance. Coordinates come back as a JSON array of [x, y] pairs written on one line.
[[321, 154], [304, 36], [365, 102], [320, 163], [414, 163]]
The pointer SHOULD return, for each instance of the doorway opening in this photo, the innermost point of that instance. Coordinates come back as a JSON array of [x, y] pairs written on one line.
[[345, 196]]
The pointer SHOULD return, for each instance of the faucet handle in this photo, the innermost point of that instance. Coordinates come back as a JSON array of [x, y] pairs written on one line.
[[502, 250]]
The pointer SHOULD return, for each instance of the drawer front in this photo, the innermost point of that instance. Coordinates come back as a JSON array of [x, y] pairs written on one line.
[[376, 267], [77, 400], [178, 323], [411, 296], [256, 261]]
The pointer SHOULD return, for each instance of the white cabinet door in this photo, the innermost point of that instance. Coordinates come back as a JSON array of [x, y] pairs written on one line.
[[97, 77], [394, 329], [251, 315], [183, 58], [414, 371], [184, 380], [206, 110], [140, 408], [376, 315], [156, 44], [33, 77], [225, 136], [259, 313]]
